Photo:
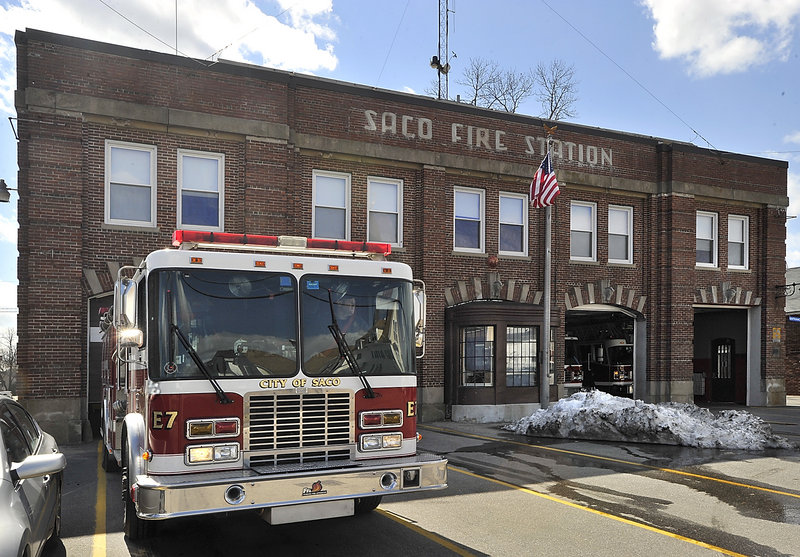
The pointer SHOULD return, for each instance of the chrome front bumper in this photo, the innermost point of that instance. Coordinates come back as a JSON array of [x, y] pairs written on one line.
[[160, 497]]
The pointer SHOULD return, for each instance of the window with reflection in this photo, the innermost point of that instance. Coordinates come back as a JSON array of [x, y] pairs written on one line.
[[236, 323]]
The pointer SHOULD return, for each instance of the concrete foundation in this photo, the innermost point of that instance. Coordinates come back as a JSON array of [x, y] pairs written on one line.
[[488, 413], [670, 391], [63, 418]]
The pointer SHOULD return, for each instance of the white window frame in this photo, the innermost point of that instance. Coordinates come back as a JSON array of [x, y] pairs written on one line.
[[151, 149], [593, 207], [714, 239], [220, 158], [629, 232], [524, 200], [347, 184], [745, 220], [399, 192], [482, 239]]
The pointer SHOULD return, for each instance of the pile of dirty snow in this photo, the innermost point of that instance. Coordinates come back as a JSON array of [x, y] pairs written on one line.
[[600, 416]]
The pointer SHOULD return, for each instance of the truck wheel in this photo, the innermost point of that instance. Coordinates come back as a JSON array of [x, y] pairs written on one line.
[[134, 527], [109, 462], [367, 504]]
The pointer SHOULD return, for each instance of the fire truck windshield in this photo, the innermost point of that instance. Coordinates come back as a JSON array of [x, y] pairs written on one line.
[[239, 323], [374, 317]]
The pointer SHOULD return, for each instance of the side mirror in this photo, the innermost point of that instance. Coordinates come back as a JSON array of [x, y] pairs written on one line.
[[125, 303], [38, 465], [420, 310]]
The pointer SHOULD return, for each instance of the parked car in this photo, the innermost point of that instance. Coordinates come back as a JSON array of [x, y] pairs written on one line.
[[30, 483]]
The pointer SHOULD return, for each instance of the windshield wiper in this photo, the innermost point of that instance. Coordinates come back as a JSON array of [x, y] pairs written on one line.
[[223, 398], [346, 353]]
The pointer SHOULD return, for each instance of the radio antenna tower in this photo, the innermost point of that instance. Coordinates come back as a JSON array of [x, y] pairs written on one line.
[[441, 62]]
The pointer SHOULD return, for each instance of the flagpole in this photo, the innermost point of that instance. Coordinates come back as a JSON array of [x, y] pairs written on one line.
[[544, 374]]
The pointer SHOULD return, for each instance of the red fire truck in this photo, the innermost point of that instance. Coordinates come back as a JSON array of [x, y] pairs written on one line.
[[263, 372]]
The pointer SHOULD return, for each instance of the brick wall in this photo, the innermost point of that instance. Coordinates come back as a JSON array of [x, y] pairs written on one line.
[[275, 129]]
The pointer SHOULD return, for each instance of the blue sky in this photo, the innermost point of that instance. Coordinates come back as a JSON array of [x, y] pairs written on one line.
[[717, 73]]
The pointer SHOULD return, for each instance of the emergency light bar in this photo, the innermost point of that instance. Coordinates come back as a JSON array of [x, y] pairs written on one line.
[[191, 239]]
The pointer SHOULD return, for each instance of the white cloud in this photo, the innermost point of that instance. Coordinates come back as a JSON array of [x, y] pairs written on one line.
[[231, 29], [723, 36], [8, 229], [793, 137]]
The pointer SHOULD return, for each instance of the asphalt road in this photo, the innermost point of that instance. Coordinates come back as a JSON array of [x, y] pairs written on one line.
[[507, 495]]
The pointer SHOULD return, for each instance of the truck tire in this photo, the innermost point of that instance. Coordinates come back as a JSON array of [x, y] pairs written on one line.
[[364, 505], [134, 527]]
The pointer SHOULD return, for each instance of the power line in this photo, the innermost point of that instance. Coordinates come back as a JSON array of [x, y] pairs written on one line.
[[175, 47], [623, 70], [386, 59]]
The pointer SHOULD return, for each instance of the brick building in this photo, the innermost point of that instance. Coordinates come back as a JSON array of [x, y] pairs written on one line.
[[791, 295], [660, 249]]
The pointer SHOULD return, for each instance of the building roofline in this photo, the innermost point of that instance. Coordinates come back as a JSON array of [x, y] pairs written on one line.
[[289, 78]]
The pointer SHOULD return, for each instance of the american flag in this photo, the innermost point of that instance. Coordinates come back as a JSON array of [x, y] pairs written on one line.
[[544, 187]]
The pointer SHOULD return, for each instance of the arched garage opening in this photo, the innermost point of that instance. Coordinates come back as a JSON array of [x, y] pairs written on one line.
[[605, 348]]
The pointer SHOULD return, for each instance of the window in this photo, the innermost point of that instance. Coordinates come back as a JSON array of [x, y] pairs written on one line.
[[583, 231], [477, 356], [201, 190], [513, 224], [521, 349], [706, 239], [130, 184], [331, 218], [738, 242], [620, 234], [385, 213], [26, 425], [468, 222]]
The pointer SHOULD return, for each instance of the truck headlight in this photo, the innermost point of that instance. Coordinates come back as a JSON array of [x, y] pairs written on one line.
[[378, 441], [202, 454]]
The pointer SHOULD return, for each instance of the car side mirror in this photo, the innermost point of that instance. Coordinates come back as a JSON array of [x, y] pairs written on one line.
[[38, 465]]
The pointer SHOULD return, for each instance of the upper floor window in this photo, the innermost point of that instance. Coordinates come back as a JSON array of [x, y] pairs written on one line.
[[201, 190], [706, 239], [385, 213], [513, 224], [620, 234], [583, 231], [331, 194], [130, 184], [738, 242], [468, 220]]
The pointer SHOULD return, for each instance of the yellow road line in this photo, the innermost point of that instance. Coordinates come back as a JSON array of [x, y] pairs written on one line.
[[430, 535], [99, 538], [617, 460], [595, 511]]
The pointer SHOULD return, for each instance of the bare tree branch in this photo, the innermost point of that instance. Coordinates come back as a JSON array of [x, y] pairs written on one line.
[[479, 78], [557, 91], [489, 86], [8, 360]]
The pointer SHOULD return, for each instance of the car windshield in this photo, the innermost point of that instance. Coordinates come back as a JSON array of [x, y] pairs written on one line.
[[374, 317], [238, 323]]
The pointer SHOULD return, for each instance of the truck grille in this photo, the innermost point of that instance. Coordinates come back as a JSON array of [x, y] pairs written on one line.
[[297, 429]]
